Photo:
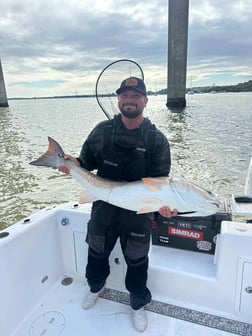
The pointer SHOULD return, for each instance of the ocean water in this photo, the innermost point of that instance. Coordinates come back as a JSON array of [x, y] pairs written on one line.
[[211, 144]]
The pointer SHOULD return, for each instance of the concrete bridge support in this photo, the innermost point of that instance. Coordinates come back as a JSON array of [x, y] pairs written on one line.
[[177, 52], [3, 95]]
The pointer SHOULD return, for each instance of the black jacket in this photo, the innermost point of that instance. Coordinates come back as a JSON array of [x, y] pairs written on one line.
[[121, 154]]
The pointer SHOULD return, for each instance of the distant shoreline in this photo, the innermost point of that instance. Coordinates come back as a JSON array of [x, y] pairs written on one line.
[[238, 88]]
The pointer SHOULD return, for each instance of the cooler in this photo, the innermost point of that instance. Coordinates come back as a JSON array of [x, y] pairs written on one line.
[[190, 233]]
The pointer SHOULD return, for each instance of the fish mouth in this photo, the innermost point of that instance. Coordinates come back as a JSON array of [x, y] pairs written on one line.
[[216, 204], [183, 213]]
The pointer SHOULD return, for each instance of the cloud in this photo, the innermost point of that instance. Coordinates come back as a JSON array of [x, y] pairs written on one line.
[[39, 84], [220, 41], [65, 44]]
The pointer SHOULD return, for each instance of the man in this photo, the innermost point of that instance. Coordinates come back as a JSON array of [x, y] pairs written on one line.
[[128, 147]]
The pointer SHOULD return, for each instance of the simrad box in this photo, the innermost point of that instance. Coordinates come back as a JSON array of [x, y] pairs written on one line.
[[190, 233]]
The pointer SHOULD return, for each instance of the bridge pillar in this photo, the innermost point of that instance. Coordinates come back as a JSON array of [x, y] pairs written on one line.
[[177, 53], [3, 96]]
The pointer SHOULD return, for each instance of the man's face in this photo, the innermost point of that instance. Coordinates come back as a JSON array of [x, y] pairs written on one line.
[[131, 103]]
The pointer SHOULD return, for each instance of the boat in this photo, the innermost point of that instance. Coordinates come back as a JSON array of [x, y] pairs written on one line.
[[42, 262]]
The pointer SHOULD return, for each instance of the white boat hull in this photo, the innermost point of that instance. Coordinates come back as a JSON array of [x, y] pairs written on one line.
[[42, 262]]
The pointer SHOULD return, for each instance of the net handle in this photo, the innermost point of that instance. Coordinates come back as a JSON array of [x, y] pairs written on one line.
[[97, 81]]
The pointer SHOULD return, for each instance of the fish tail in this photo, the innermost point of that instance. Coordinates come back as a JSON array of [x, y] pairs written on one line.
[[53, 157]]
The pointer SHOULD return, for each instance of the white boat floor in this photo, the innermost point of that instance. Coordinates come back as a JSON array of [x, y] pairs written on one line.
[[60, 313]]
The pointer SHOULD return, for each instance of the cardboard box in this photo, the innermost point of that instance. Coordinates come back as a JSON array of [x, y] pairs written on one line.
[[190, 233]]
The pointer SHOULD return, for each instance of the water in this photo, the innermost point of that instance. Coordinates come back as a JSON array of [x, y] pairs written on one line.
[[211, 144]]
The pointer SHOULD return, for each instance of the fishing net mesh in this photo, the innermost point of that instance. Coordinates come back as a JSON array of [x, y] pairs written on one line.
[[110, 80]]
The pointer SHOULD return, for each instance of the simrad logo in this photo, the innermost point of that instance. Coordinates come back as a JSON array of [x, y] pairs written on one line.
[[185, 233]]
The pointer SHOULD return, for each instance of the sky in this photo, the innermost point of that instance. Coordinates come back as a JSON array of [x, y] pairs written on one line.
[[59, 47]]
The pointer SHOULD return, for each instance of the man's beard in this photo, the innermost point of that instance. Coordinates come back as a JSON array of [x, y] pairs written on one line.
[[129, 113]]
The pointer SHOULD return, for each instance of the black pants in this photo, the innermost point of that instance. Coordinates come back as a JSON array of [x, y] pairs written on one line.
[[107, 223]]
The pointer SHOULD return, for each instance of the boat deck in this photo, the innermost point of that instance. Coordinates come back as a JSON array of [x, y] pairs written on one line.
[[194, 294], [60, 313]]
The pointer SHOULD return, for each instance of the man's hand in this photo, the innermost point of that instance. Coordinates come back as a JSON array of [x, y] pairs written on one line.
[[66, 169], [165, 211]]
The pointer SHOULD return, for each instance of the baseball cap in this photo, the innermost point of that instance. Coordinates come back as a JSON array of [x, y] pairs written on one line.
[[132, 83]]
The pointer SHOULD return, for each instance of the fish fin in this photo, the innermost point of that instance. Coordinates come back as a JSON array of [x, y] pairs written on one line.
[[155, 183], [86, 197], [51, 157]]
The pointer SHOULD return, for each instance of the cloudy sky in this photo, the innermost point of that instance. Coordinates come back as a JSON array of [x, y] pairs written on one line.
[[59, 47]]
